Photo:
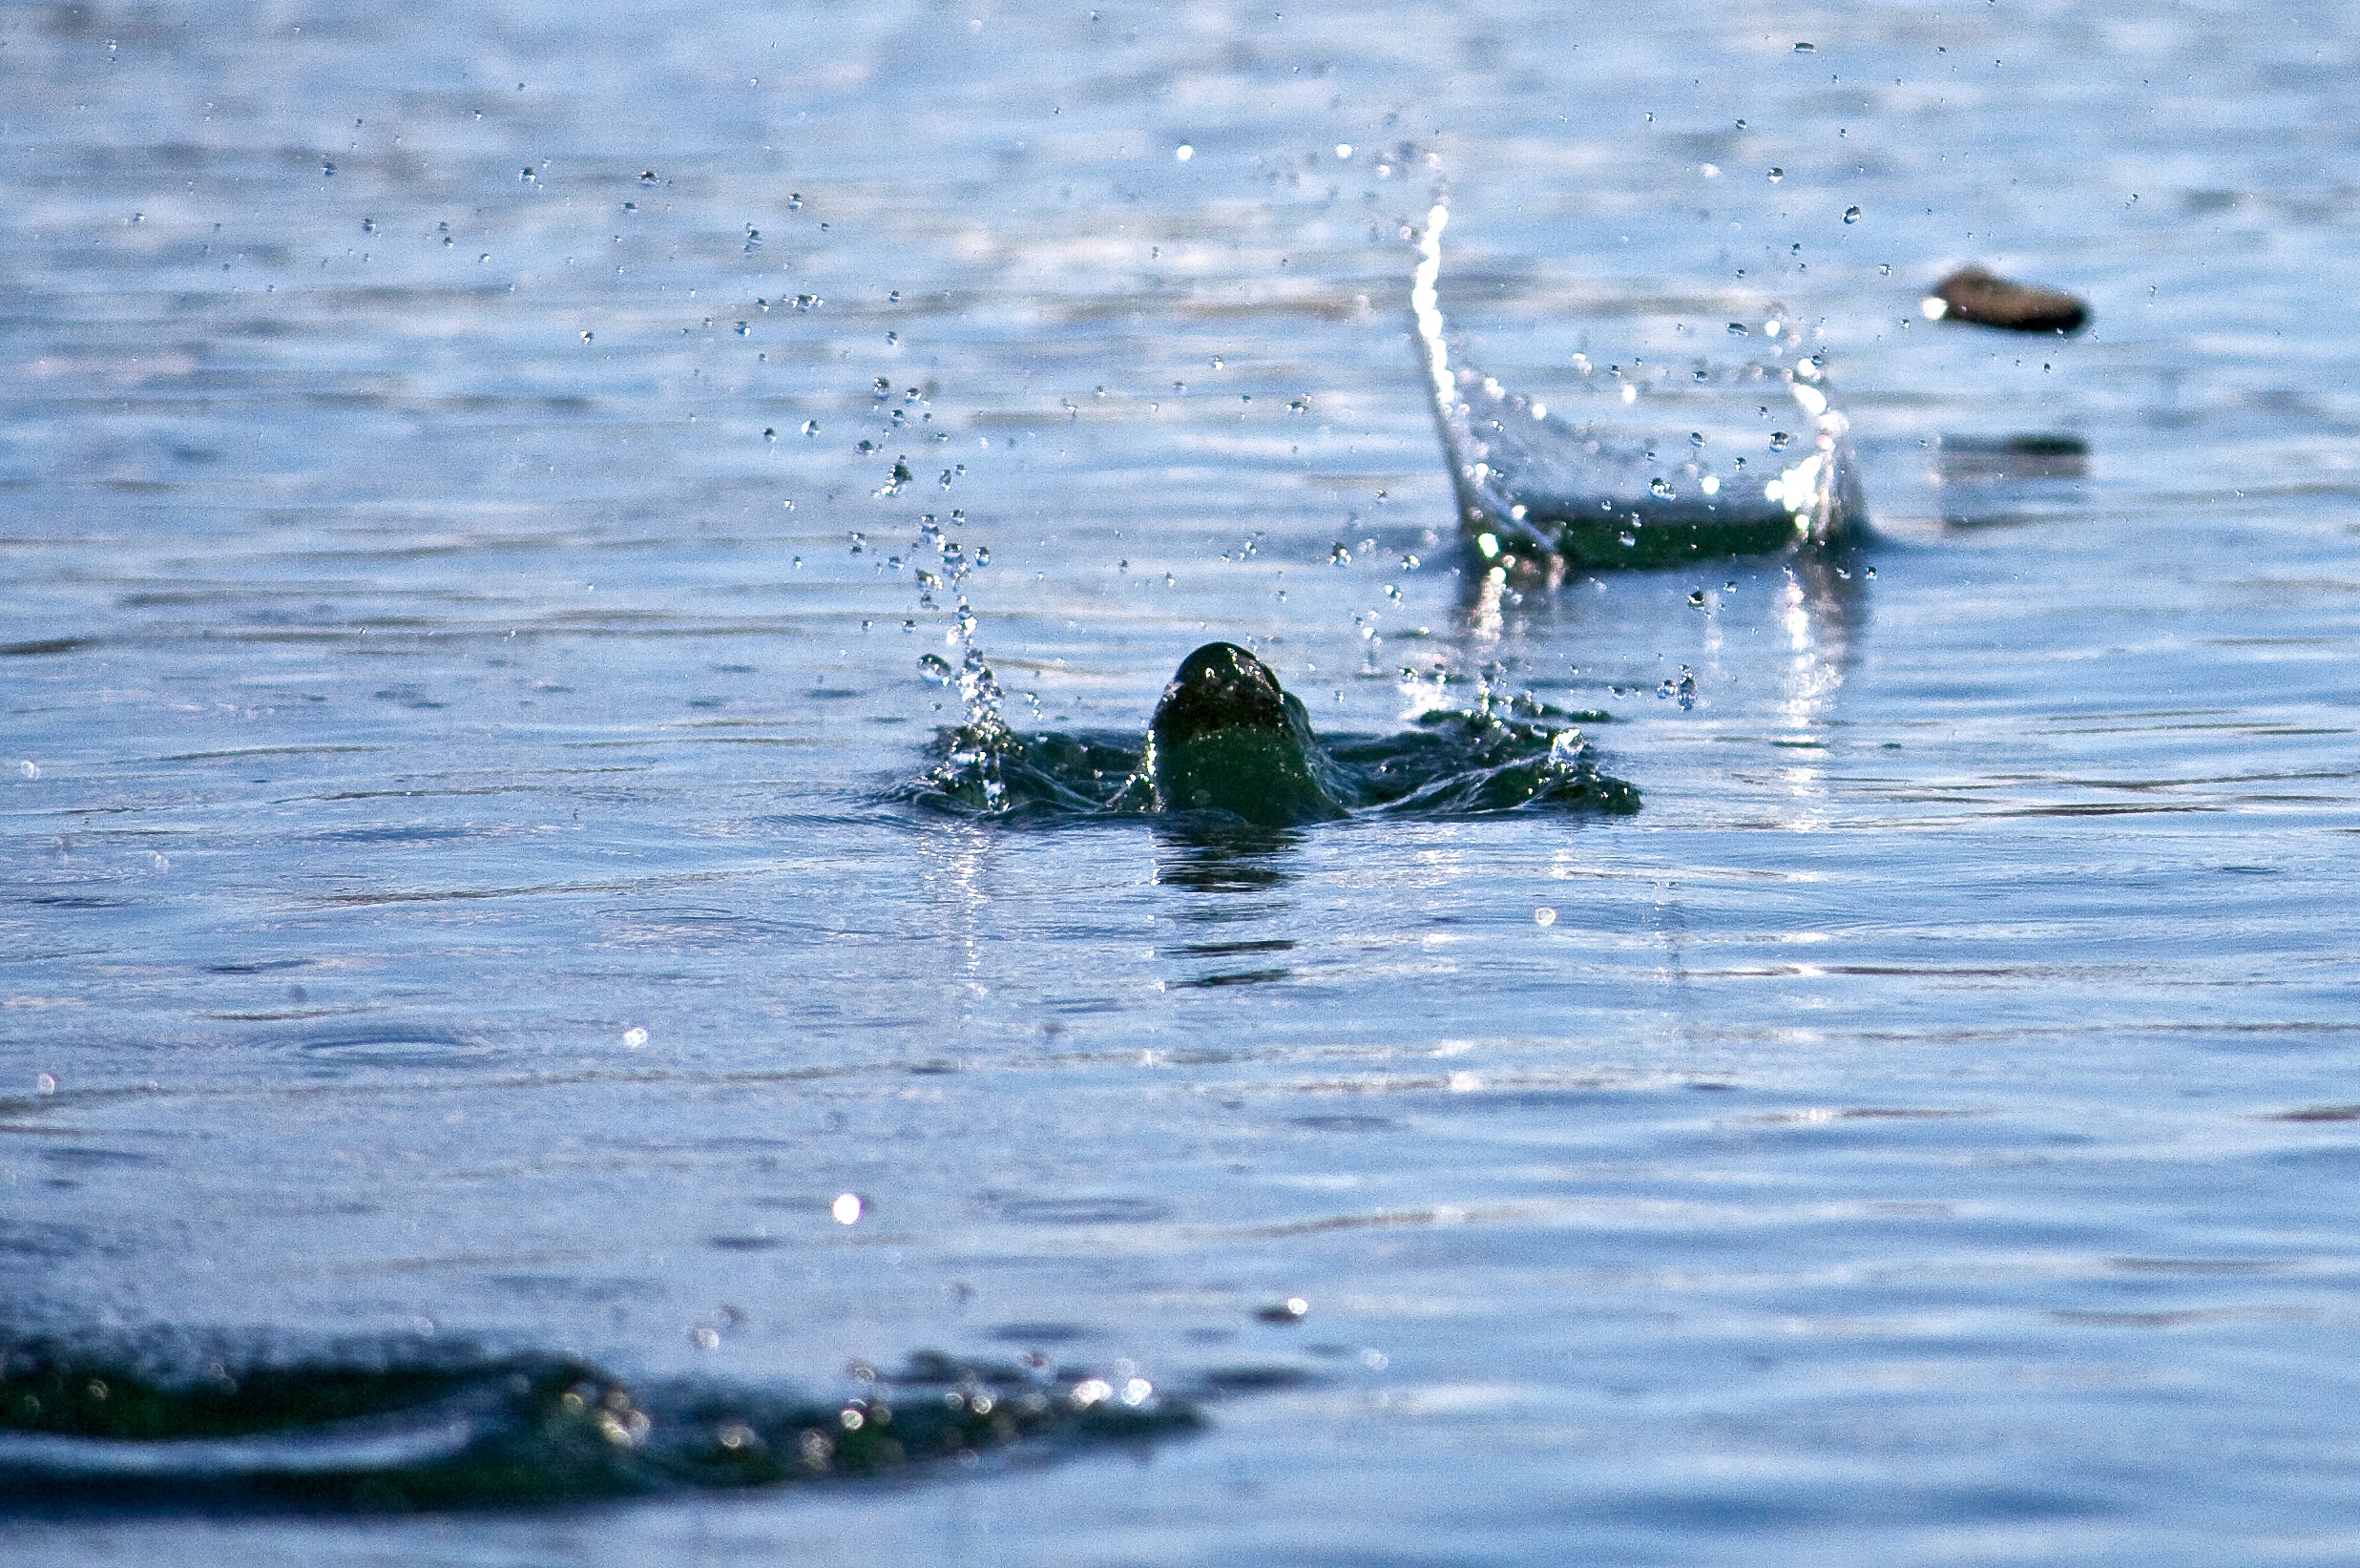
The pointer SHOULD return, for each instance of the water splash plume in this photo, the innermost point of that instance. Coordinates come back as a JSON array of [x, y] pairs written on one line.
[[1538, 492]]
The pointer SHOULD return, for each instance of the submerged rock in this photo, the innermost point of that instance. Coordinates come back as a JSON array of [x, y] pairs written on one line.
[[1985, 299]]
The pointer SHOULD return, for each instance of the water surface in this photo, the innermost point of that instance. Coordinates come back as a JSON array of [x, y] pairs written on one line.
[[456, 883]]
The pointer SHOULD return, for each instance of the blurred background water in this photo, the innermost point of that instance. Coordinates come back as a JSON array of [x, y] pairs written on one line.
[[451, 882]]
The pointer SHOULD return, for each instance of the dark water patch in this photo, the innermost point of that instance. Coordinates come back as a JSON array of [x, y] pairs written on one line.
[[1082, 1211], [241, 754], [407, 1428], [1450, 764], [1230, 949], [398, 1051], [758, 1243], [43, 645], [2166, 1318], [46, 1241], [414, 834], [80, 1156], [1967, 460], [1039, 1333], [1257, 1378], [1233, 977]]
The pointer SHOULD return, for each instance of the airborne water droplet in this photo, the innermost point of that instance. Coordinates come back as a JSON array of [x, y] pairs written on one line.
[[1661, 485], [1852, 215]]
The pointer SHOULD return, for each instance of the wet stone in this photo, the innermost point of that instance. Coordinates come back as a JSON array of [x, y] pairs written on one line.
[[1985, 299]]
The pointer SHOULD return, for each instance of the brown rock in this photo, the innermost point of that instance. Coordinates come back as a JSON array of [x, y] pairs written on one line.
[[1971, 294]]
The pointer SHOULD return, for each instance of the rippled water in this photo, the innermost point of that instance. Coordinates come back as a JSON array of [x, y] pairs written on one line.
[[460, 885]]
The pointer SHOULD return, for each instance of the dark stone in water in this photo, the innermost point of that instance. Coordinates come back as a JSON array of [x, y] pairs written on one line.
[[1973, 294]]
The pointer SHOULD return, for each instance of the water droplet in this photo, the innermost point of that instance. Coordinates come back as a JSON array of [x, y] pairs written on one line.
[[1777, 175], [1779, 440], [1696, 438], [935, 668], [1696, 596], [44, 1084], [635, 1036], [1544, 916], [1852, 215], [1737, 329], [1344, 149], [1661, 485], [1184, 152], [846, 1210], [1340, 555], [1806, 49]]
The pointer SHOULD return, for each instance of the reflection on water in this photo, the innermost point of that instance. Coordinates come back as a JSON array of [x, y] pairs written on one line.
[[2002, 481]]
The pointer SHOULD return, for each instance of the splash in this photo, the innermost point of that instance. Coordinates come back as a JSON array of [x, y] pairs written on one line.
[[970, 674], [1537, 490], [404, 1429], [1228, 745]]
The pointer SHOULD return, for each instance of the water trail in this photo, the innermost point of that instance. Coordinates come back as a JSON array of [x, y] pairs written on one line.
[[407, 1427], [1677, 480]]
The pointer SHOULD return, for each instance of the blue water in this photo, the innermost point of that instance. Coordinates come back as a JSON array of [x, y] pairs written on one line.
[[457, 881]]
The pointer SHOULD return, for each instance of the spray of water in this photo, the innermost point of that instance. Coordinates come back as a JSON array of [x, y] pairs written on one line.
[[1538, 490], [982, 735]]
